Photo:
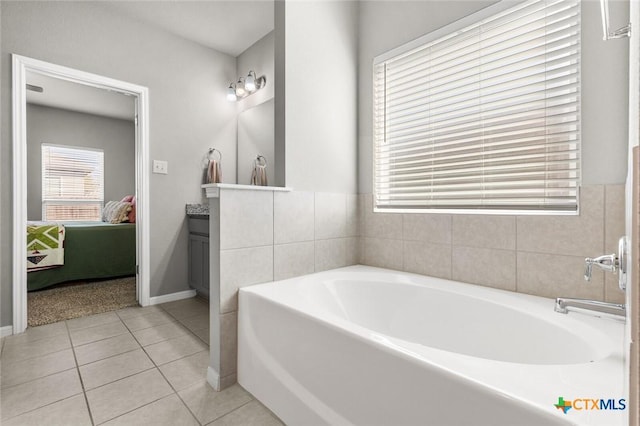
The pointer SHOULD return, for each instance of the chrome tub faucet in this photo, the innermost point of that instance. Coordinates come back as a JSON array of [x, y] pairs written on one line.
[[563, 303], [615, 263]]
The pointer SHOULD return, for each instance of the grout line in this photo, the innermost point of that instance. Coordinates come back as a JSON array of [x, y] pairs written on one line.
[[5, 388], [130, 411], [46, 405], [84, 391], [108, 357], [171, 385], [235, 409]]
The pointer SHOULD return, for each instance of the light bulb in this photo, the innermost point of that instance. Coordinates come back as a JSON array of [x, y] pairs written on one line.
[[240, 91], [231, 93], [250, 82]]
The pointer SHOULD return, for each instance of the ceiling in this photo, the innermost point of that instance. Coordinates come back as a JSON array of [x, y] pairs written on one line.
[[58, 93], [230, 27], [226, 26]]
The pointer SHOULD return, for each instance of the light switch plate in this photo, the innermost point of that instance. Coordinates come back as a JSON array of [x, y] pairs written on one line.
[[160, 167]]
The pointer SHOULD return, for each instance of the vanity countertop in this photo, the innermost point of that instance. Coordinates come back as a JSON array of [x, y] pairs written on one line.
[[197, 210]]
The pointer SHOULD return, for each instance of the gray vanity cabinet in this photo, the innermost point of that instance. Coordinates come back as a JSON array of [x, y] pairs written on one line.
[[199, 254]]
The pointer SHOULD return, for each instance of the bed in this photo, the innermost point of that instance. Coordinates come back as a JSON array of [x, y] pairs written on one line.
[[92, 250]]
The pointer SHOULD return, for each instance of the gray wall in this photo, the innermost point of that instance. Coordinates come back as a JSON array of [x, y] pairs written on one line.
[[321, 49], [188, 110], [63, 127], [260, 57], [388, 24]]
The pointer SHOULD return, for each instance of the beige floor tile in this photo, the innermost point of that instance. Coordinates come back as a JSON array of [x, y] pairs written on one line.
[[100, 332], [32, 334], [168, 411], [115, 368], [196, 322], [209, 405], [25, 350], [136, 311], [159, 333], [92, 320], [250, 414], [187, 371], [19, 399], [117, 398], [105, 348], [189, 310], [68, 412], [183, 304], [173, 349], [148, 320], [203, 334], [186, 308], [17, 372]]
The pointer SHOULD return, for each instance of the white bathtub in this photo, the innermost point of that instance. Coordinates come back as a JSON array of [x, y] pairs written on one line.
[[369, 346]]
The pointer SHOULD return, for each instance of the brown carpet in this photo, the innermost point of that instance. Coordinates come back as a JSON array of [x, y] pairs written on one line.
[[67, 301]]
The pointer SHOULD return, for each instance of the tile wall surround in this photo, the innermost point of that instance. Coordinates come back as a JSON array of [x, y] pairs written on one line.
[[539, 255], [267, 236]]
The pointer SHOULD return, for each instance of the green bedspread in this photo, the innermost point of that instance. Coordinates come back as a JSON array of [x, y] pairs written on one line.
[[91, 250]]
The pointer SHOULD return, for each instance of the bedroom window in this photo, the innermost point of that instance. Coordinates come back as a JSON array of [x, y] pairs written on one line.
[[72, 183], [482, 115]]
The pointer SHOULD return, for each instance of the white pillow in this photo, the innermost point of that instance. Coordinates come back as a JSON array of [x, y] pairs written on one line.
[[116, 212]]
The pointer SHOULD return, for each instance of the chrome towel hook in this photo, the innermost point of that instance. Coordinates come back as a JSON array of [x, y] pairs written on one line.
[[211, 154]]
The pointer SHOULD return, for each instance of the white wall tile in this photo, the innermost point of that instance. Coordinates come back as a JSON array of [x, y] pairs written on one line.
[[240, 268], [433, 228], [293, 260], [352, 250], [330, 254], [581, 235], [381, 225], [486, 231], [551, 275], [488, 267], [293, 217], [330, 215], [353, 215], [246, 219], [427, 259], [383, 253], [229, 343]]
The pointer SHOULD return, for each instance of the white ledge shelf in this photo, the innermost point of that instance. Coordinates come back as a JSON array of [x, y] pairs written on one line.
[[212, 190]]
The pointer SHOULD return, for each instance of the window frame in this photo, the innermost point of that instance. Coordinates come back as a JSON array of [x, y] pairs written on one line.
[[453, 29], [70, 202]]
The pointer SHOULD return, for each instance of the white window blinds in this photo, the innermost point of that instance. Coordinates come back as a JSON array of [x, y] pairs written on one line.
[[486, 117], [72, 183]]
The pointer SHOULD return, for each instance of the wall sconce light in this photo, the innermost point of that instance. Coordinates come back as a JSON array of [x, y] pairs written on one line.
[[245, 86]]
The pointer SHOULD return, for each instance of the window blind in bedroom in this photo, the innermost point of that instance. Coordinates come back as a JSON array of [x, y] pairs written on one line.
[[483, 116], [72, 183]]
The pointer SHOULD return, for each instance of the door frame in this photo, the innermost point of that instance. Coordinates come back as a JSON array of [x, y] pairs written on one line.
[[20, 66]]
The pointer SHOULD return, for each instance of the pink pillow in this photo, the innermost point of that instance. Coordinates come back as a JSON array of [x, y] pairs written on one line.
[[129, 199], [132, 214]]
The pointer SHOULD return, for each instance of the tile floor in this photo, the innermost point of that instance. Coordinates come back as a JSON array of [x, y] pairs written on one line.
[[135, 366]]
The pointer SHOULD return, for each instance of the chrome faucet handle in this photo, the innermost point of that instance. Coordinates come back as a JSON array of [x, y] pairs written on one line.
[[587, 271], [606, 262]]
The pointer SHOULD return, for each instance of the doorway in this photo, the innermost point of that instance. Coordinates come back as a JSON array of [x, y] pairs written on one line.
[[23, 66]]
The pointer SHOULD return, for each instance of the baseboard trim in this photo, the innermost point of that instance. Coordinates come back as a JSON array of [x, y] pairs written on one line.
[[156, 300], [5, 331], [213, 378]]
